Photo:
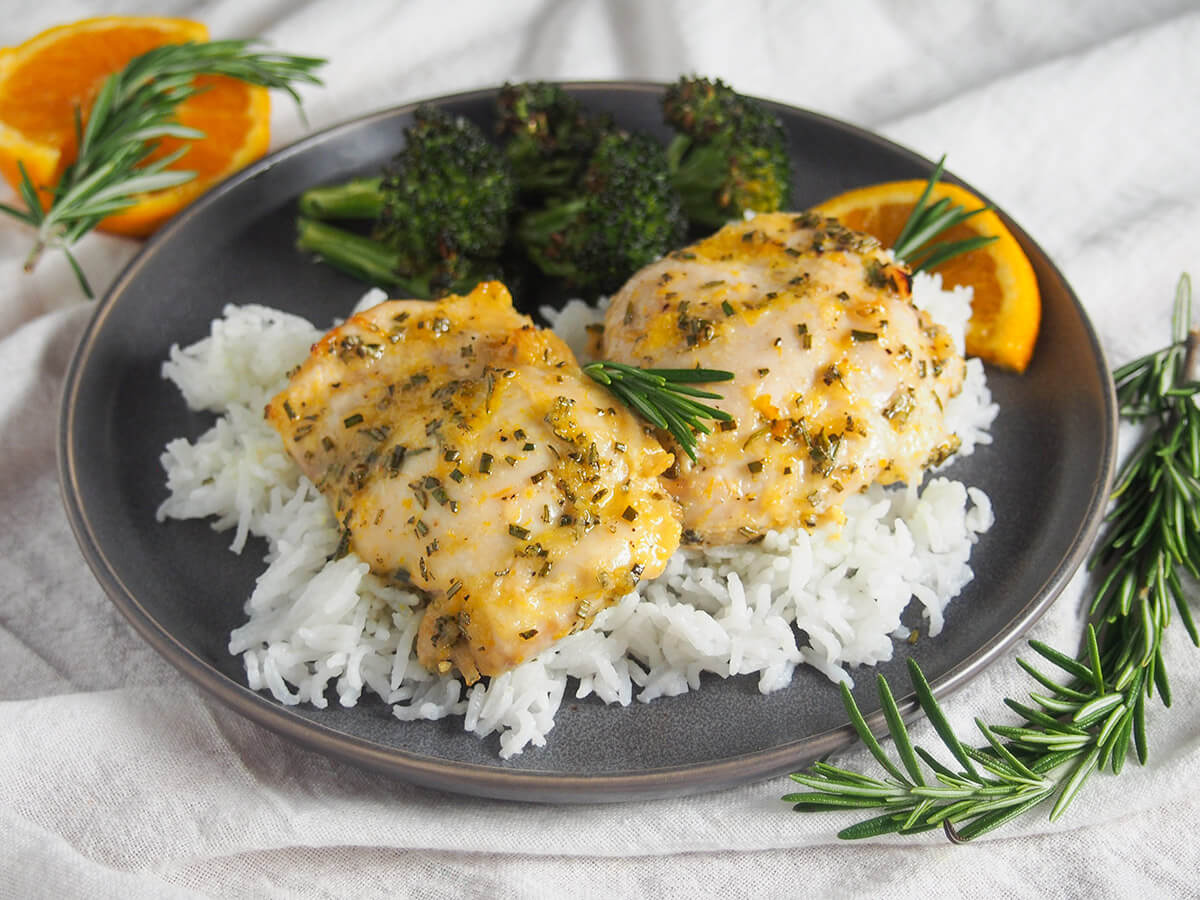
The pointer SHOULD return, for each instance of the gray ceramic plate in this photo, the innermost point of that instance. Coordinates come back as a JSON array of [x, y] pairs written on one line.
[[1047, 474]]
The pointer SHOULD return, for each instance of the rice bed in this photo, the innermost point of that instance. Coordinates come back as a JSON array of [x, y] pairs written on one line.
[[318, 627]]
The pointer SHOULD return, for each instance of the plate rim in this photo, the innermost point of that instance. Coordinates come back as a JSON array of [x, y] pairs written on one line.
[[509, 783]]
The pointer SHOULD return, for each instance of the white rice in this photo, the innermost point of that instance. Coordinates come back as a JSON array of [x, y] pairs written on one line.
[[316, 628]]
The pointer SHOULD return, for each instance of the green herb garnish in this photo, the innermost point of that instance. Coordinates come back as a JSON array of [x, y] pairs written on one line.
[[134, 109], [1087, 711], [917, 243], [663, 397]]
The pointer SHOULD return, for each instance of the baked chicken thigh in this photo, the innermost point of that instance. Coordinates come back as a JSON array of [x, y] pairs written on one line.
[[467, 456], [839, 380]]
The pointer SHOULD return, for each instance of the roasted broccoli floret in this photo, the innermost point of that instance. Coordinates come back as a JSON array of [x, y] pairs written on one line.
[[441, 212], [623, 215], [547, 135], [729, 154]]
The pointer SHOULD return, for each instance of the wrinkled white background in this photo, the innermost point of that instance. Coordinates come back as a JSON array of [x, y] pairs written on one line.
[[117, 778]]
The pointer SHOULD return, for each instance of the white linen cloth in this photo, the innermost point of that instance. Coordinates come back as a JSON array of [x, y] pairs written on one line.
[[118, 778]]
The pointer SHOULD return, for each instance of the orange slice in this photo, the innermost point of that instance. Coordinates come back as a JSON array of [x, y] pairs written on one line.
[[44, 80], [1007, 308]]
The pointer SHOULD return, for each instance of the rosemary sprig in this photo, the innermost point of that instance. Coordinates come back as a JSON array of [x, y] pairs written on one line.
[[1088, 711], [664, 397], [134, 109], [918, 243]]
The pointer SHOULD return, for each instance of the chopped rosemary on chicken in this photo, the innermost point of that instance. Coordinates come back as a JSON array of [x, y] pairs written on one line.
[[1089, 713], [918, 243], [663, 397]]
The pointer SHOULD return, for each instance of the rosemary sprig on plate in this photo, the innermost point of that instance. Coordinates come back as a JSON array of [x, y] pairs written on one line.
[[918, 244], [1087, 711], [664, 397], [134, 109]]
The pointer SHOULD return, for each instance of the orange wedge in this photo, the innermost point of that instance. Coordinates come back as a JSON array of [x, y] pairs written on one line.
[[44, 80], [1007, 308]]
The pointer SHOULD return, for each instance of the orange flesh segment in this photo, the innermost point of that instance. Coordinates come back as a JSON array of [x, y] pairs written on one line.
[[44, 80], [1006, 309]]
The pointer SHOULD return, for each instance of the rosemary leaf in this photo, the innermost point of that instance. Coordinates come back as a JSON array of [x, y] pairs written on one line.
[[1079, 775], [812, 802], [899, 732]]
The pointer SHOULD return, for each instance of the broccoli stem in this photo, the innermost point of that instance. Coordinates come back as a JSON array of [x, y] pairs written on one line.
[[677, 148], [357, 256], [357, 199], [536, 232], [698, 179]]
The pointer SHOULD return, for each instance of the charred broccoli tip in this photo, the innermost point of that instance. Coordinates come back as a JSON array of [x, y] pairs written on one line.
[[623, 215], [547, 135], [729, 154]]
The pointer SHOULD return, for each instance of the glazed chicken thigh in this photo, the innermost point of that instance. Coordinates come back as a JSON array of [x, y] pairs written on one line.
[[839, 380], [467, 456]]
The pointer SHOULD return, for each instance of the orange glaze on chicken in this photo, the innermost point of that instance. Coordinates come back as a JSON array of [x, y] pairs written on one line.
[[839, 379], [467, 456]]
